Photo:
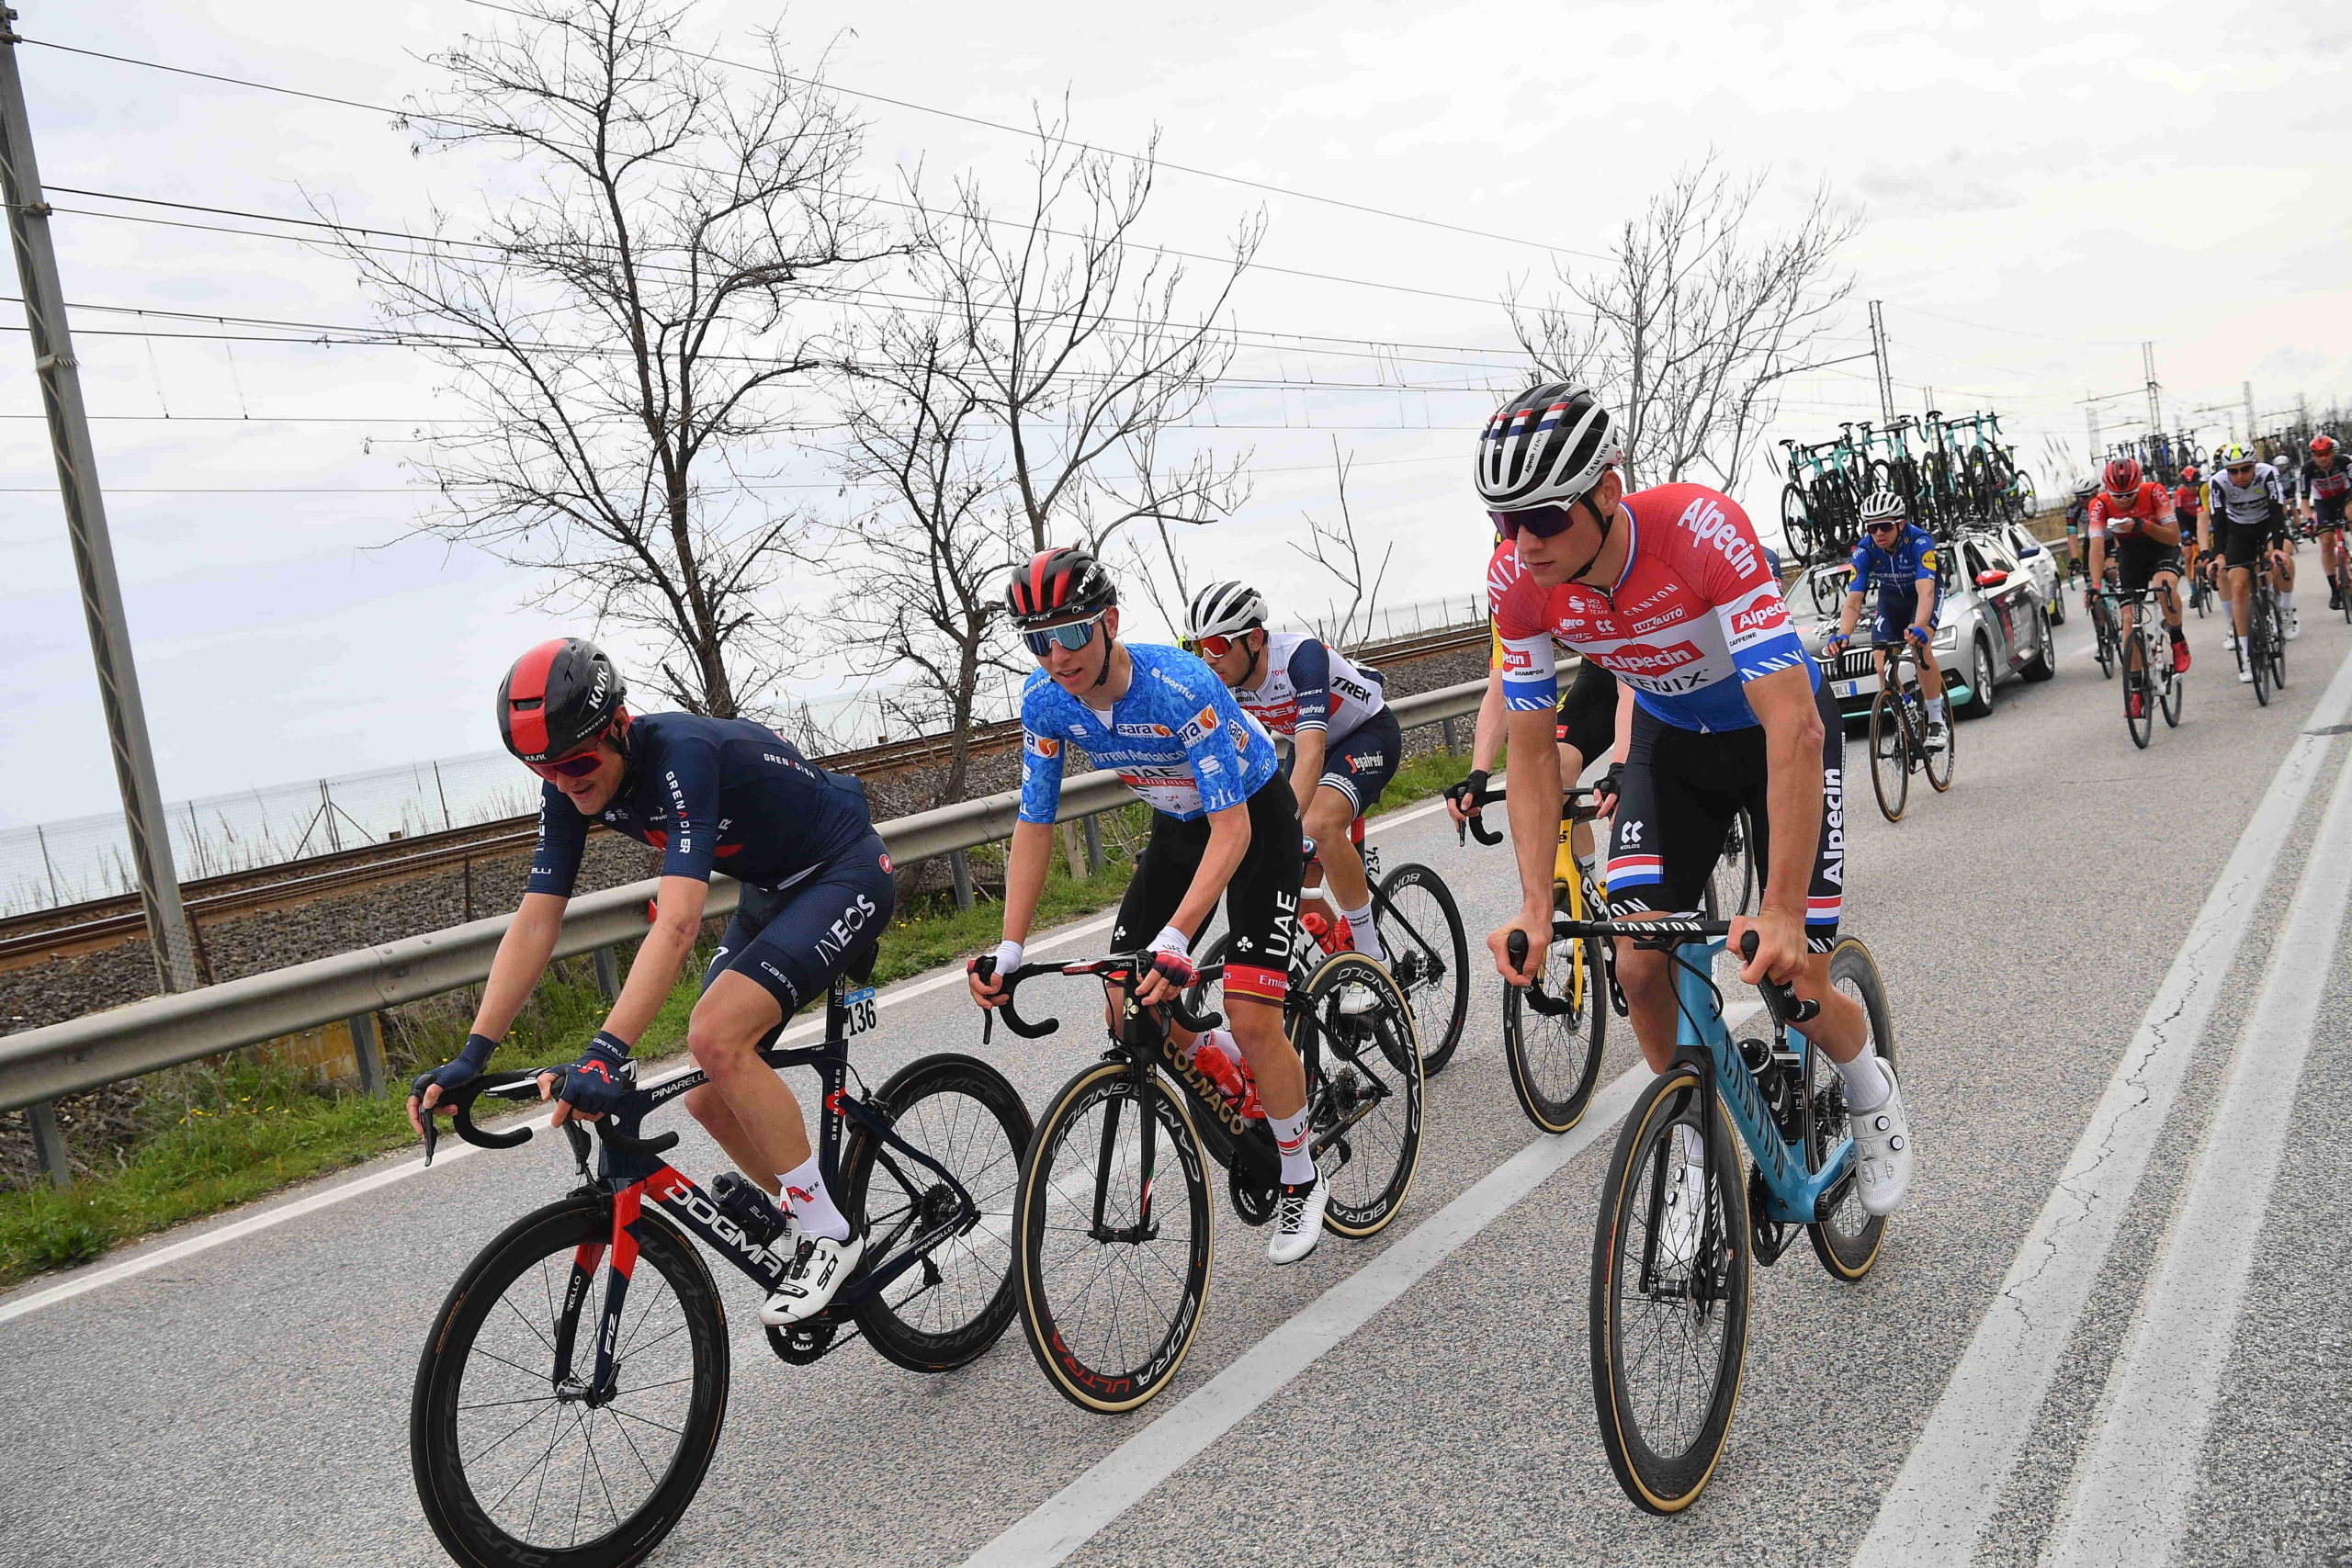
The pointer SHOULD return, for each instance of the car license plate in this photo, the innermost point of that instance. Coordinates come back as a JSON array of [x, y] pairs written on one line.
[[858, 1007], [1846, 688]]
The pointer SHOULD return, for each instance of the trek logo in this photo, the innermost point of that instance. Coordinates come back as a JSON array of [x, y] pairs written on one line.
[[1708, 525], [1203, 725], [1144, 731], [1045, 746], [1348, 688], [1770, 614], [1649, 659]]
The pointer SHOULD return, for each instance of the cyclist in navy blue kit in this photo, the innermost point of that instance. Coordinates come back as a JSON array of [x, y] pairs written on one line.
[[1225, 824], [711, 794], [1899, 560]]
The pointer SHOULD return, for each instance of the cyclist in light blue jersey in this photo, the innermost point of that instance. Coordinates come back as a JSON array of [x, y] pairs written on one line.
[[1223, 825]]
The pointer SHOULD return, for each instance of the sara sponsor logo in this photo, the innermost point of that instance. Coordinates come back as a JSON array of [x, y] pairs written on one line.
[[1649, 659], [1203, 725], [1045, 746], [1709, 525], [1767, 614], [1144, 731]]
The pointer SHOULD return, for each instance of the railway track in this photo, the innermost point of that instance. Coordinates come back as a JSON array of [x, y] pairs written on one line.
[[72, 928]]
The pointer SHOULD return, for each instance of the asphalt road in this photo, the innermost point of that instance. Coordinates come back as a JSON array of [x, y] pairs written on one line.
[[2112, 1324]]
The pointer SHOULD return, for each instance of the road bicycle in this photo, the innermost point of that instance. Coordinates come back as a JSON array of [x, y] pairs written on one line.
[[2265, 650], [1669, 1301], [2107, 638], [1899, 731], [2150, 682], [1421, 932], [1112, 1230], [1555, 1030], [566, 1407]]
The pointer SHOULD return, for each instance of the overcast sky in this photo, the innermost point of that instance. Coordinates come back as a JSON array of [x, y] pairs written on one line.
[[2039, 200]]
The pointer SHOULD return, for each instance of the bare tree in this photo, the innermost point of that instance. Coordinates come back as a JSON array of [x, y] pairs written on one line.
[[1334, 547], [1688, 329], [627, 325]]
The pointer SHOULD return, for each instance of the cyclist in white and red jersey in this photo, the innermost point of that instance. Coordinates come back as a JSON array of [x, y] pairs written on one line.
[[2327, 480], [2131, 519], [1668, 589], [1344, 742]]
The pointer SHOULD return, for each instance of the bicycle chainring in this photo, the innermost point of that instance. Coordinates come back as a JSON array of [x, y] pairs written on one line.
[[805, 1344], [1255, 1205], [1771, 1237]]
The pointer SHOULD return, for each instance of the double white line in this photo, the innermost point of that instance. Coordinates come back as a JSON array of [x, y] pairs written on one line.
[[2139, 1465]]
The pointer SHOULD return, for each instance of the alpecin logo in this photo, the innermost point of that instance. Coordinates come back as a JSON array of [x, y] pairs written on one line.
[[1764, 616], [1649, 659], [1708, 525]]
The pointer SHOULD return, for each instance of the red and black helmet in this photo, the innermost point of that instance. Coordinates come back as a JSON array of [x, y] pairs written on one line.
[[2122, 476], [1057, 584], [560, 697], [2188, 474], [2322, 445]]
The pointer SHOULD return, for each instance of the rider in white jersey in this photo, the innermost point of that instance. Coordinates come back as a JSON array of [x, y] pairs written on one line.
[[2249, 512]]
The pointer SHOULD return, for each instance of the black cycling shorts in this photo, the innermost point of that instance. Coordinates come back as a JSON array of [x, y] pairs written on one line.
[[1676, 796], [1588, 716], [2138, 559], [2241, 543], [1361, 766], [2327, 511], [1260, 902], [792, 941]]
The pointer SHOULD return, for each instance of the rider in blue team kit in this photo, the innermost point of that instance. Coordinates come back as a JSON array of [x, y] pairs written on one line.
[[711, 794], [1224, 823], [1898, 560]]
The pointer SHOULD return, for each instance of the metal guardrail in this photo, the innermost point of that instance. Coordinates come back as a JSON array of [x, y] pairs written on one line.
[[38, 1065]]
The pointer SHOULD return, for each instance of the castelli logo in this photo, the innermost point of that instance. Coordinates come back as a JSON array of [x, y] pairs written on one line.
[[1760, 618], [1647, 659], [886, 861]]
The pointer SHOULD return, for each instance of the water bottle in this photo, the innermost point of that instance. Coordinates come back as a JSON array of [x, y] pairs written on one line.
[[1228, 1072], [759, 1215]]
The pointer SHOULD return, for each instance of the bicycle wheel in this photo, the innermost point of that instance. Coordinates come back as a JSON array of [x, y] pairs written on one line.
[[1668, 1332], [512, 1465], [2103, 625], [2174, 693], [1553, 1050], [1113, 1258], [1731, 885], [1363, 1096], [1890, 747], [2138, 690], [950, 1307], [2257, 657], [1938, 765], [1847, 1240], [1428, 954], [2276, 645]]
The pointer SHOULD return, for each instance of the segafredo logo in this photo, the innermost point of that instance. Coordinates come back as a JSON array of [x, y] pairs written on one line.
[[1708, 525]]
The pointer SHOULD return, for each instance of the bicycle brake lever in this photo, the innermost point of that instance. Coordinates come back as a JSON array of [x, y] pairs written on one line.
[[1780, 1000]]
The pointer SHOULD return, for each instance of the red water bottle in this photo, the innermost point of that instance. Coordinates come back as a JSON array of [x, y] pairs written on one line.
[[1228, 1072]]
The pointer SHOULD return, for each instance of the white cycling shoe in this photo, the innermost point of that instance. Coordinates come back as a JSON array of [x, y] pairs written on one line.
[[1298, 1220], [1882, 1150], [2294, 625], [819, 1269]]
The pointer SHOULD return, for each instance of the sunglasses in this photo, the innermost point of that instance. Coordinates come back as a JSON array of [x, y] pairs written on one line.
[[577, 766], [1885, 525], [1216, 645], [2239, 469], [1073, 637], [1544, 522]]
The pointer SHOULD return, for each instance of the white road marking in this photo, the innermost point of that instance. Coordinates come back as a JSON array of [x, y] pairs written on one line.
[[1952, 1482], [1121, 1478], [2138, 1474], [453, 1149]]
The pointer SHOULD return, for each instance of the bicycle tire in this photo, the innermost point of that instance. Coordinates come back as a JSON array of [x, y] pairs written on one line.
[[445, 1477], [2277, 646], [1049, 1323], [1847, 1241], [1731, 882], [2139, 683], [1555, 1060], [1431, 967], [973, 1269], [2257, 657], [2174, 693], [1631, 1434], [1940, 781], [1890, 752], [2103, 628], [1367, 1071]]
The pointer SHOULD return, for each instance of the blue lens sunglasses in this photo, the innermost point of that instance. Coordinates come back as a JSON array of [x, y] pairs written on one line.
[[1073, 637]]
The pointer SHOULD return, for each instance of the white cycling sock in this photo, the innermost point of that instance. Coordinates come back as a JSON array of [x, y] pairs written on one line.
[[1290, 1137], [2287, 601], [1867, 1084], [1367, 937], [804, 1189], [1936, 708]]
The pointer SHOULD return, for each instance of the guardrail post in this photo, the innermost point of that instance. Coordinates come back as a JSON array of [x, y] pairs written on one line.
[[1094, 845], [1447, 726], [608, 973], [49, 1143], [367, 1050], [962, 869]]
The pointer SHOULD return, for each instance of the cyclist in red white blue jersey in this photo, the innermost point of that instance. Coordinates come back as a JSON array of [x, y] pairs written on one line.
[[2327, 481], [1668, 589], [1344, 742], [1223, 825]]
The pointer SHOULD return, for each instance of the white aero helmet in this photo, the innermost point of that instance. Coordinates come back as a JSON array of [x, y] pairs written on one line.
[[1545, 448], [1880, 506], [1227, 608]]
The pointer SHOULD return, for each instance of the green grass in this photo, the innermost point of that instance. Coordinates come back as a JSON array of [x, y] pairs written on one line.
[[219, 1133]]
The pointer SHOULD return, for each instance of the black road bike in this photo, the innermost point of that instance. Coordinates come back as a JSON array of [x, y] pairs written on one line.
[[1112, 1232], [1421, 933], [2150, 683], [574, 1381], [1899, 732]]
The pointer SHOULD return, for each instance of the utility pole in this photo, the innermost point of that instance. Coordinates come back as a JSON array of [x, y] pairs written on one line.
[[1878, 353], [2247, 390], [2155, 404], [85, 521], [2090, 430]]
